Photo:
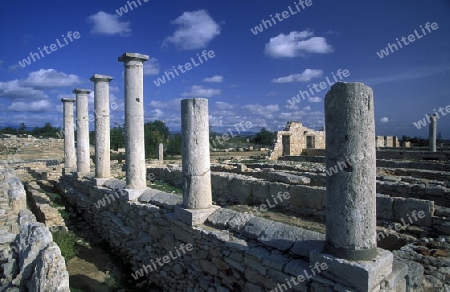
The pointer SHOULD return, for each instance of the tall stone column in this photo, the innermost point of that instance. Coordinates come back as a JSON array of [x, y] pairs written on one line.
[[69, 135], [197, 197], [102, 128], [432, 132], [83, 150], [134, 122], [351, 193], [351, 244]]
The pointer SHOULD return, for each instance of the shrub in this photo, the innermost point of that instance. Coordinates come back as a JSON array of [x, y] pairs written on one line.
[[66, 240]]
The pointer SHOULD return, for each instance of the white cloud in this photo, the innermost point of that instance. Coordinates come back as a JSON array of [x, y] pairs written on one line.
[[264, 111], [14, 90], [384, 119], [109, 24], [314, 99], [151, 67], [220, 105], [307, 108], [174, 104], [196, 29], [34, 106], [305, 76], [224, 116], [50, 78], [272, 93], [296, 44], [200, 91], [216, 78]]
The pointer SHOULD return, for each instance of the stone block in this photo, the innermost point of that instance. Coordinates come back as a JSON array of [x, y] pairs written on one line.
[[384, 207], [193, 217], [239, 221], [96, 181], [221, 217], [132, 194], [166, 200], [288, 178], [280, 236], [255, 226], [365, 275], [404, 208], [310, 241]]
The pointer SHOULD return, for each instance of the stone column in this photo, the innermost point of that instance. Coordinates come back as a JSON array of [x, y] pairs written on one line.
[[432, 132], [351, 193], [69, 135], [350, 251], [161, 153], [102, 128], [83, 150], [197, 197], [134, 122]]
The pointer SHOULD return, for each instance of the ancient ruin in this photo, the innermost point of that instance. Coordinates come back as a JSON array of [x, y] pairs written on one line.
[[333, 213], [295, 138]]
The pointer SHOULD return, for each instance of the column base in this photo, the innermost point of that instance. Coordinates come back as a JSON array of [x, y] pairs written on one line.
[[133, 194], [97, 181], [68, 170], [79, 174], [193, 217], [361, 275]]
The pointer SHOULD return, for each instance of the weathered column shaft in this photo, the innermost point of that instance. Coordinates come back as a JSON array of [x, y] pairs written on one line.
[[102, 125], [351, 192], [195, 154], [83, 150], [134, 120], [432, 132], [161, 152], [69, 135]]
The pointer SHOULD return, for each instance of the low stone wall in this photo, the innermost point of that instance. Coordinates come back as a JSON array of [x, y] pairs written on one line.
[[29, 259], [393, 153], [232, 252], [234, 188], [40, 204]]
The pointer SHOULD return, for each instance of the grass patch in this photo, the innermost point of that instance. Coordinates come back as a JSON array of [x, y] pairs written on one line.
[[165, 187], [283, 216], [66, 240]]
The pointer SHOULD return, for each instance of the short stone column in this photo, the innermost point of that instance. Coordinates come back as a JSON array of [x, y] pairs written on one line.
[[161, 153], [102, 128], [69, 135], [351, 245], [134, 123], [83, 148], [196, 166], [432, 132]]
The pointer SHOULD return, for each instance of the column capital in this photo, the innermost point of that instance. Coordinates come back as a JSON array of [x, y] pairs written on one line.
[[81, 91], [98, 77], [133, 57], [66, 99]]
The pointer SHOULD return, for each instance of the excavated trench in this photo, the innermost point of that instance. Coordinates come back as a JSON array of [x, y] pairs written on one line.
[[96, 266]]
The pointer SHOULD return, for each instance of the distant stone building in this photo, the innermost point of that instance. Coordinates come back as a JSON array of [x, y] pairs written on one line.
[[295, 138], [389, 141]]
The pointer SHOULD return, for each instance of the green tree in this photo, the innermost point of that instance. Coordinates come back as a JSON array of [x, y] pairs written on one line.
[[154, 133], [117, 137], [264, 137], [174, 145]]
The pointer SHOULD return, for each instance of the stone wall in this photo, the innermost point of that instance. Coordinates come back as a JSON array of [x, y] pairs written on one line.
[[294, 138], [29, 259], [232, 252], [231, 188], [40, 204]]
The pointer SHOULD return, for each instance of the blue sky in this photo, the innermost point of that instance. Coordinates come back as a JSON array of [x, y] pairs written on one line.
[[251, 77]]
